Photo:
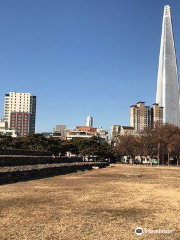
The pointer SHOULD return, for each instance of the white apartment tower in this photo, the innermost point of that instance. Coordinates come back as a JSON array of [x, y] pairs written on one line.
[[167, 95], [89, 121], [20, 112]]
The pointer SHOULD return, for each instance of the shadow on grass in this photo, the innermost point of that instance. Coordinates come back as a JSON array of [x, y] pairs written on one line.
[[127, 214]]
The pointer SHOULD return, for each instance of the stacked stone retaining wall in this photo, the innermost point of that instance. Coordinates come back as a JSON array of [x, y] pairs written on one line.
[[24, 152], [15, 174], [33, 160]]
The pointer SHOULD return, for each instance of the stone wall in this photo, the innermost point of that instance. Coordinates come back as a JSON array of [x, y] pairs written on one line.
[[24, 152], [15, 175], [33, 160]]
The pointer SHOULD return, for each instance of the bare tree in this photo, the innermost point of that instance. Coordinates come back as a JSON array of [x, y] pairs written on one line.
[[174, 147], [127, 145], [163, 141]]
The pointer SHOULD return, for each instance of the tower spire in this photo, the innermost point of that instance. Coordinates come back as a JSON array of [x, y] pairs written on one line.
[[167, 95]]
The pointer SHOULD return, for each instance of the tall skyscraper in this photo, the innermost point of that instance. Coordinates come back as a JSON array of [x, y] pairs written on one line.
[[20, 112], [89, 121], [168, 82]]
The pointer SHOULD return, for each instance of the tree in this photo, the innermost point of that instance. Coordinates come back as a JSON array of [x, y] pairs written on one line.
[[5, 141], [127, 145], [174, 147], [161, 141], [151, 141], [168, 131], [77, 146]]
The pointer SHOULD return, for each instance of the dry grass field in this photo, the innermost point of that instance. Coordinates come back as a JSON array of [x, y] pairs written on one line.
[[94, 205]]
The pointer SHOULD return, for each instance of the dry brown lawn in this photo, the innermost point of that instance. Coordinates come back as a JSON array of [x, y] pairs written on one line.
[[94, 205]]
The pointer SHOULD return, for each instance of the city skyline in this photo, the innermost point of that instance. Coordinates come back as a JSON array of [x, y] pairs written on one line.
[[56, 65]]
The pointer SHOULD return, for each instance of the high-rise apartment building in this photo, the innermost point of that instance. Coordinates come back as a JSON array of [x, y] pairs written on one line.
[[140, 116], [89, 121], [20, 112], [115, 131], [156, 114], [168, 83]]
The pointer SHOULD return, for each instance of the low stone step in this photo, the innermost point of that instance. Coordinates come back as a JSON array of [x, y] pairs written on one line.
[[132, 174]]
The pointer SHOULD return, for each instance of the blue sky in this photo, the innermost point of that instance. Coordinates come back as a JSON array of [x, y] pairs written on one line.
[[82, 57]]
